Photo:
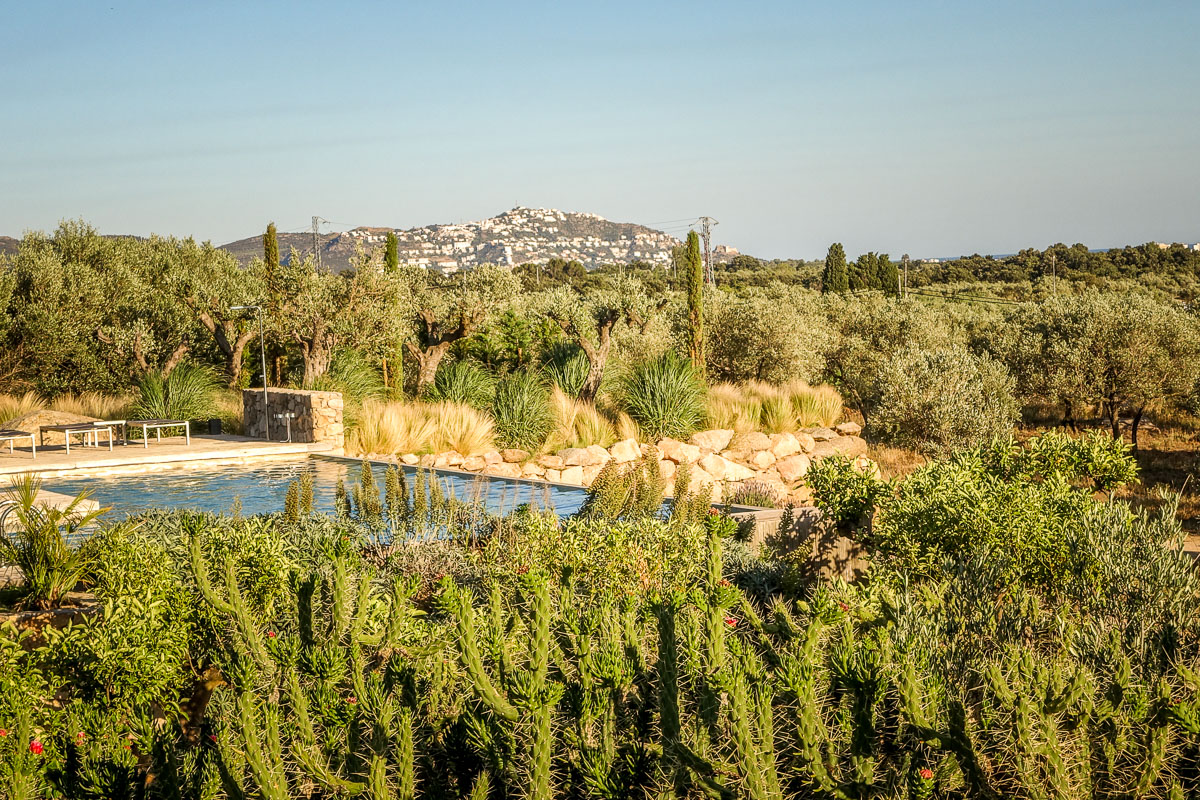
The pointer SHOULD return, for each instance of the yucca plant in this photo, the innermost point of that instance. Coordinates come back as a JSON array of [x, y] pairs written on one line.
[[664, 396], [521, 410], [39, 544], [187, 392], [463, 382]]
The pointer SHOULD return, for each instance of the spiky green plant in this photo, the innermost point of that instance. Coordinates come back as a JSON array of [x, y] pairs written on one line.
[[465, 381], [521, 411], [665, 396], [188, 392], [38, 547]]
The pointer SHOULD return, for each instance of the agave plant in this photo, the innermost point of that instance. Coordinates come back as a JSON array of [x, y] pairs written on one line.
[[39, 544]]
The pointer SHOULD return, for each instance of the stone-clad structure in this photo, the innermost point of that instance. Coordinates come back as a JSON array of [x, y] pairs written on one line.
[[316, 416]]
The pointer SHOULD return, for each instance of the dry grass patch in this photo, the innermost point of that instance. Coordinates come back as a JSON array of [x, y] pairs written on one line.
[[577, 424], [13, 406], [399, 427], [760, 406], [94, 404]]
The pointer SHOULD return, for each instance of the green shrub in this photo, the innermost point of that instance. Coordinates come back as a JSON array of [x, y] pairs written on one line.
[[844, 493], [664, 396], [187, 392], [631, 491], [521, 411], [937, 401], [463, 382]]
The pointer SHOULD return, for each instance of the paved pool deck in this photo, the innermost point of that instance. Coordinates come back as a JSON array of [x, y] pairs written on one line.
[[54, 460]]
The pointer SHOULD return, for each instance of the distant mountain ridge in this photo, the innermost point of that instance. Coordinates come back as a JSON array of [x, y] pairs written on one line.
[[518, 236]]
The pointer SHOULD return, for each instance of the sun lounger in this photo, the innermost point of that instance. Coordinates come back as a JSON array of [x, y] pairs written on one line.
[[11, 436], [158, 425], [88, 430]]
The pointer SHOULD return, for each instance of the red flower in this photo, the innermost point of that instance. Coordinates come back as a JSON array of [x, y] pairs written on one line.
[[35, 747], [3, 732], [270, 634], [212, 736], [80, 736], [844, 607], [926, 773], [731, 622], [724, 584], [352, 700], [524, 568]]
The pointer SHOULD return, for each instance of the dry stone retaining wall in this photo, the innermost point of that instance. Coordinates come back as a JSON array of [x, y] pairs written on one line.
[[716, 457], [318, 415]]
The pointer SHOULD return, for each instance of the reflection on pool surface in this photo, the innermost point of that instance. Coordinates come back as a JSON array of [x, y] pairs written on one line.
[[261, 487]]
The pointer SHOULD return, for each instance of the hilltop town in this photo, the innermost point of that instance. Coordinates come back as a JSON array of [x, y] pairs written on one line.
[[515, 237]]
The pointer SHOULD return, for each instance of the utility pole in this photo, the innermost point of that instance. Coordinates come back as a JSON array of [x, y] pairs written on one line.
[[706, 224], [1053, 274], [904, 260], [316, 233]]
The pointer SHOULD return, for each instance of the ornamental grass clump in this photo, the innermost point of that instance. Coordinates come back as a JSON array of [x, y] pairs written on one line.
[[771, 408], [187, 392], [664, 396], [13, 406], [465, 382], [577, 423], [521, 411]]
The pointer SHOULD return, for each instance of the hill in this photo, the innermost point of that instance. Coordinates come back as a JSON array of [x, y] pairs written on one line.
[[518, 236]]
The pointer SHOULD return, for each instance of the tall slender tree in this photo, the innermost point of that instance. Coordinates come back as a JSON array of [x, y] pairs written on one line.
[[271, 250], [695, 296], [391, 252], [835, 277], [887, 276]]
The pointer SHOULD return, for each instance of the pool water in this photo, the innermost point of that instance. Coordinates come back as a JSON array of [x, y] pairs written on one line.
[[262, 487]]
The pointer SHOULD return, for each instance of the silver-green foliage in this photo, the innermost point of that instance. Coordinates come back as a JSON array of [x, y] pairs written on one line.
[[521, 411], [937, 401], [185, 393]]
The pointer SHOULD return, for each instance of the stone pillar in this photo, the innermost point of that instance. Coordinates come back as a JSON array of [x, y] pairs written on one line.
[[317, 415]]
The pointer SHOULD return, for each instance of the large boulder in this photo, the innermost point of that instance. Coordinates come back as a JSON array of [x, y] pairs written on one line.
[[514, 456], [503, 470], [761, 459], [714, 465], [598, 455], [792, 468], [679, 452], [625, 451], [411, 459], [551, 461], [573, 474], [747, 443], [667, 468], [714, 440], [848, 429], [849, 446], [807, 443], [822, 434], [531, 469], [493, 457], [474, 463], [784, 445], [575, 456]]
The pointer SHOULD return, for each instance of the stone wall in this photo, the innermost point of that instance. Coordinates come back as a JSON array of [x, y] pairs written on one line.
[[318, 415]]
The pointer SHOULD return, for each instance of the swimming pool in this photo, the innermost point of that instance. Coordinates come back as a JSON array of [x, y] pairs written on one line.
[[260, 487]]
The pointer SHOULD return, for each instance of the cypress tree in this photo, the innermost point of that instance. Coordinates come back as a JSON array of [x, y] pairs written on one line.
[[271, 250], [862, 273], [391, 253], [888, 275], [835, 277], [695, 295]]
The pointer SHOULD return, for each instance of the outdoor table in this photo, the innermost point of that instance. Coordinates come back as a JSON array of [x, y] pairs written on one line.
[[88, 429], [116, 425], [11, 436], [157, 426]]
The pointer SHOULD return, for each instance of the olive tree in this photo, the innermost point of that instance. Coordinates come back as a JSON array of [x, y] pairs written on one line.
[[941, 400], [323, 312], [772, 336], [590, 320], [440, 310]]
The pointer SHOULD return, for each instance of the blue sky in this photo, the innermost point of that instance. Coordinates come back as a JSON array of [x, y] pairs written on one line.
[[934, 128]]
